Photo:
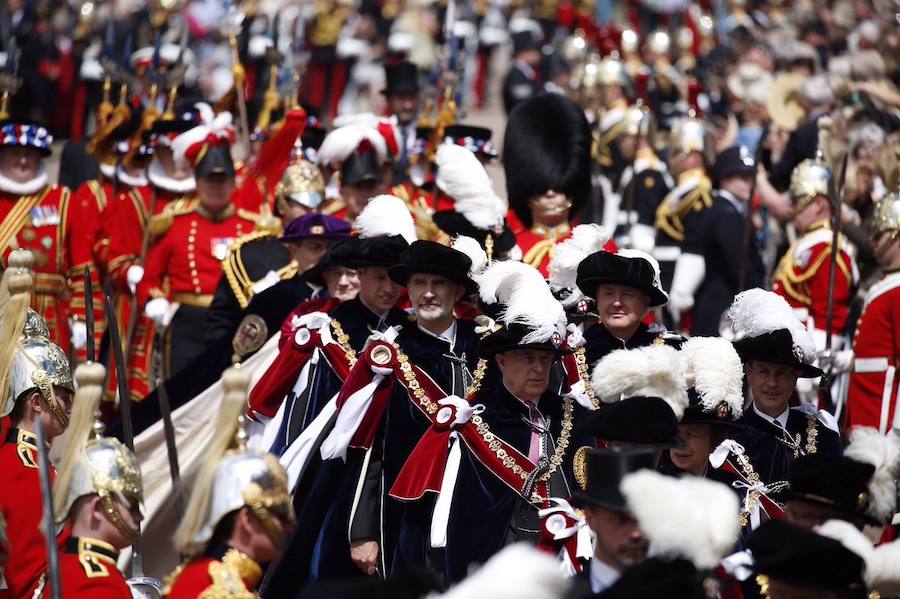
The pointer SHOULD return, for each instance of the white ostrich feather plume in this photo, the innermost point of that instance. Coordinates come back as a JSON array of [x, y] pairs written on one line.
[[473, 250], [714, 369], [340, 143], [210, 124], [756, 312], [563, 268], [690, 518], [462, 177], [651, 371], [869, 446], [385, 215]]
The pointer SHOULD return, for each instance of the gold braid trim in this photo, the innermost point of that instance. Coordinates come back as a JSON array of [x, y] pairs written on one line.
[[582, 363], [795, 282], [236, 273], [162, 222], [670, 215], [229, 576], [812, 433]]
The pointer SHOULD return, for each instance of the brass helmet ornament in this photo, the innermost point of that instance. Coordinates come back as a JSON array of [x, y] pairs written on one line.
[[93, 464], [302, 183], [887, 220], [690, 134], [812, 177], [611, 71]]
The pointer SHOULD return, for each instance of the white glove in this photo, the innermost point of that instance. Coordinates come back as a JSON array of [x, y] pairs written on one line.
[[134, 275], [643, 237], [160, 311], [689, 272], [79, 333], [836, 361]]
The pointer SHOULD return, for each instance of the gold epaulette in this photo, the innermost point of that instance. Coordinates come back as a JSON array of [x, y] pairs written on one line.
[[670, 215], [236, 273], [263, 223], [162, 222]]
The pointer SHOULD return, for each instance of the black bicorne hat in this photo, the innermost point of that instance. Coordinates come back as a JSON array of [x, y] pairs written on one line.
[[604, 267], [401, 78], [836, 482], [433, 258], [547, 145], [777, 347], [600, 472], [646, 421]]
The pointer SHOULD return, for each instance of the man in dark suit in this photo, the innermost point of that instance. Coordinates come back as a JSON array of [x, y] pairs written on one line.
[[522, 81]]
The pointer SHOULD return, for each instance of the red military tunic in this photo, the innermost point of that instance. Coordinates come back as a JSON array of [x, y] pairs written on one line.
[[873, 392], [57, 230], [538, 243], [20, 502], [215, 577], [802, 279], [87, 570]]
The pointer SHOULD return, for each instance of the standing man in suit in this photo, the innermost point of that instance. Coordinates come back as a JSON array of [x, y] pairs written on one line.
[[522, 81], [402, 95]]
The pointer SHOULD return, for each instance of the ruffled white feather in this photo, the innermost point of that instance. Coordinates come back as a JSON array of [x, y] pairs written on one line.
[[519, 571], [462, 177], [340, 143], [691, 518], [652, 371], [869, 446], [883, 569], [756, 312], [473, 250], [563, 268], [526, 297], [714, 369], [210, 124], [385, 215]]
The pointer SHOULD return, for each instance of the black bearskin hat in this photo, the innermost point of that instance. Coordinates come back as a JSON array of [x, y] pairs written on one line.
[[547, 145]]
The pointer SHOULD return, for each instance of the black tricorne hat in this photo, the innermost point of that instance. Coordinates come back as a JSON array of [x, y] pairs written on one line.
[[511, 337], [646, 421], [547, 145], [802, 558], [835, 482], [455, 224], [736, 160], [402, 78], [604, 267], [433, 258], [361, 167], [600, 472], [216, 161], [383, 251], [343, 252], [777, 347]]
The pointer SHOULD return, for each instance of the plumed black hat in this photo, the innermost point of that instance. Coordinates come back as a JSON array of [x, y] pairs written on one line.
[[547, 145], [433, 258]]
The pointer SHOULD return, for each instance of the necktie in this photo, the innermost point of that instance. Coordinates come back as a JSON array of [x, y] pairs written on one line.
[[537, 424]]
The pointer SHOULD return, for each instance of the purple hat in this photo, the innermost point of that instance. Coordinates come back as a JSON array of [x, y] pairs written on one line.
[[316, 225]]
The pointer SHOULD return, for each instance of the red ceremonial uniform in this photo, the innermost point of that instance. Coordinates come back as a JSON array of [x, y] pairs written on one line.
[[873, 392], [20, 502], [538, 243], [216, 577], [87, 570], [59, 230], [802, 279]]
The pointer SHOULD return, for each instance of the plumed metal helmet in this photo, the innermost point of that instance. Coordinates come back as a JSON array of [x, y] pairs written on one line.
[[611, 71], [809, 179], [547, 146], [93, 464], [39, 363], [302, 183], [659, 42], [232, 477], [689, 135], [887, 220]]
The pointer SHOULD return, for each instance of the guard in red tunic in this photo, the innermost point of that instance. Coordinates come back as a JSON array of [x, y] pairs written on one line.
[[872, 399], [46, 220], [38, 359], [546, 157], [184, 264], [239, 514], [98, 492]]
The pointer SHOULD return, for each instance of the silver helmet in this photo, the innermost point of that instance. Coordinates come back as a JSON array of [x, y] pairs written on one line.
[[809, 180], [887, 220], [689, 135]]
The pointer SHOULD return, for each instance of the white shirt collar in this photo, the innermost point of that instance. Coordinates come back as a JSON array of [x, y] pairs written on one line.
[[448, 335], [732, 200], [602, 576], [781, 420]]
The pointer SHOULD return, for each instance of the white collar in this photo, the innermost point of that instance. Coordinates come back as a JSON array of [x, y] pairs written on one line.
[[739, 205], [781, 420], [448, 335], [602, 575], [28, 187], [525, 68], [157, 175], [138, 180]]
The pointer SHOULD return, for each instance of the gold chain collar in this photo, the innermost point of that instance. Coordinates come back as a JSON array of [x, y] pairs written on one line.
[[343, 339]]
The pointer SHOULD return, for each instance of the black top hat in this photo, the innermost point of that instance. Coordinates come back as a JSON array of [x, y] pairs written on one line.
[[402, 78], [343, 252], [510, 337], [525, 40], [805, 559], [547, 145], [436, 259], [361, 167], [836, 482], [383, 251], [646, 421], [656, 578], [736, 160], [216, 161], [455, 224], [607, 268], [601, 474], [777, 347]]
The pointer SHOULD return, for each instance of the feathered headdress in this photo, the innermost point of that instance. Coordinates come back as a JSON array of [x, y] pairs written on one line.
[[461, 176], [869, 446], [214, 130], [757, 311], [385, 215], [652, 371], [526, 298], [585, 240], [385, 126], [340, 143], [697, 520], [474, 251], [714, 370]]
